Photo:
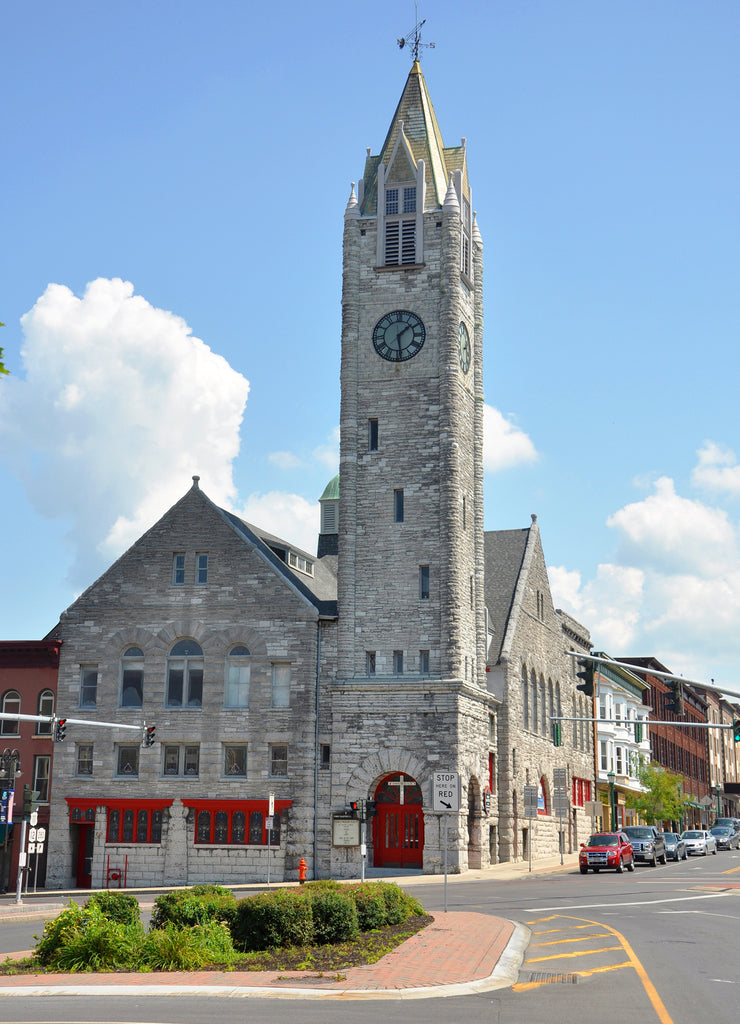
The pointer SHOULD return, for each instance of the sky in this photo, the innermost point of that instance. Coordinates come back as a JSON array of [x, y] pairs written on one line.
[[172, 188]]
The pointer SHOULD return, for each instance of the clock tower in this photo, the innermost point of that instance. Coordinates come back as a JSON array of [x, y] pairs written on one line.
[[412, 624]]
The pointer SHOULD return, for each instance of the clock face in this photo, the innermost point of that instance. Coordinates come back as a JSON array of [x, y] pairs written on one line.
[[398, 336], [463, 348]]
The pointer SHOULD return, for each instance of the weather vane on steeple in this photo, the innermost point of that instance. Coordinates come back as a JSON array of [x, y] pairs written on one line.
[[414, 36]]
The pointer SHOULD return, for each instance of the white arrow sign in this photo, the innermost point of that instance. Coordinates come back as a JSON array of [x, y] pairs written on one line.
[[446, 791]]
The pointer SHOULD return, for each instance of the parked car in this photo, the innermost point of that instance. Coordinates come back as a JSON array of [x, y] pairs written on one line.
[[647, 843], [606, 850], [732, 823], [726, 837], [699, 841], [675, 846]]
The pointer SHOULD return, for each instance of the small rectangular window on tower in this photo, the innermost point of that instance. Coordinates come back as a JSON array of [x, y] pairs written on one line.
[[370, 663], [409, 199], [398, 505], [424, 663], [472, 591], [325, 761], [398, 663], [372, 435], [423, 582]]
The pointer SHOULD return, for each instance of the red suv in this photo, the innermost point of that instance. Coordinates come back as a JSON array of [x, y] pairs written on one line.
[[606, 850]]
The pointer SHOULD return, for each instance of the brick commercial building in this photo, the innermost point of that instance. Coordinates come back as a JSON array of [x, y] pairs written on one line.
[[300, 684]]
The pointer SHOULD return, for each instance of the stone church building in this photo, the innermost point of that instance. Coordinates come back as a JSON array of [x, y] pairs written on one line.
[[285, 687]]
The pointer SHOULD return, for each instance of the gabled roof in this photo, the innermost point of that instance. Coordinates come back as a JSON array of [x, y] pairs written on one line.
[[414, 131]]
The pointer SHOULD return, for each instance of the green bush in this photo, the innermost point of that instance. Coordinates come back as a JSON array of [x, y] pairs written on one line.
[[398, 904], [116, 906], [57, 932], [196, 905], [334, 916], [280, 918], [321, 884], [173, 948], [371, 908], [86, 940]]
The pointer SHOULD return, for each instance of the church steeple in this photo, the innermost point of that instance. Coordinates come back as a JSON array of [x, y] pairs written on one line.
[[414, 136]]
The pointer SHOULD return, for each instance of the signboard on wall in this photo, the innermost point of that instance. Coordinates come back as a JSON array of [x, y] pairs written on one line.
[[345, 831]]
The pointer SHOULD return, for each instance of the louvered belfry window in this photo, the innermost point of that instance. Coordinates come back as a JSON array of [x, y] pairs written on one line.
[[400, 229]]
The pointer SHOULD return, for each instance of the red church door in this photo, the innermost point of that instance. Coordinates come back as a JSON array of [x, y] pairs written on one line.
[[398, 827]]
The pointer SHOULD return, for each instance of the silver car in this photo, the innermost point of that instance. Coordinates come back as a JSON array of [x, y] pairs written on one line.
[[675, 846], [727, 838], [699, 841]]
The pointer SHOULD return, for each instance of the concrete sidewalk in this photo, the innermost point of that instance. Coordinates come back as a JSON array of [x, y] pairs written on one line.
[[460, 952]]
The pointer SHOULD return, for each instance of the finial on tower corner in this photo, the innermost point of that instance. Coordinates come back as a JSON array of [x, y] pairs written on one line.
[[196, 480], [534, 516]]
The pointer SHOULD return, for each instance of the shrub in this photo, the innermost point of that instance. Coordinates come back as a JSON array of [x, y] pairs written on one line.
[[321, 884], [173, 948], [116, 906], [280, 918], [196, 905], [371, 908], [89, 941], [57, 932], [398, 904], [334, 916]]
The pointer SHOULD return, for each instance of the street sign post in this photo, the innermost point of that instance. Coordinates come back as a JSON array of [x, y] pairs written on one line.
[[445, 800]]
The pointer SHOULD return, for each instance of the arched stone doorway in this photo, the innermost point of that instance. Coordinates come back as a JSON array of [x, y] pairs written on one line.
[[398, 827]]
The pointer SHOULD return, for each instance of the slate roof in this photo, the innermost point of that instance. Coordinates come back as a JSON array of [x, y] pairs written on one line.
[[504, 554]]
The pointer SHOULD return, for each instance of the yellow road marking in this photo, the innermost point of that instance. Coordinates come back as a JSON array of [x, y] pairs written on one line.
[[525, 986], [552, 931], [567, 956], [650, 990], [564, 942], [729, 871]]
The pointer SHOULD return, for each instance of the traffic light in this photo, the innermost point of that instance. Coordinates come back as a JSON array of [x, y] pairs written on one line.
[[371, 809], [61, 730], [586, 673], [148, 738], [355, 808], [30, 800], [674, 699], [736, 730]]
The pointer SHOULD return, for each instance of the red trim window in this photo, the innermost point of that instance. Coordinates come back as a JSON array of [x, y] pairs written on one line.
[[581, 791], [129, 821], [235, 822]]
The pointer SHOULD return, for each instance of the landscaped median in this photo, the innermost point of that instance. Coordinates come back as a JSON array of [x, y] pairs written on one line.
[[323, 926]]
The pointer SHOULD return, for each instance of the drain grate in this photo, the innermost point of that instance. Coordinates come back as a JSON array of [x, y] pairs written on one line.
[[553, 979]]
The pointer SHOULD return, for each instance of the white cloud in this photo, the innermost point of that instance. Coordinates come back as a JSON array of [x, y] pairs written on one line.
[[284, 460], [119, 407], [717, 469], [674, 534], [288, 516], [674, 592], [504, 444]]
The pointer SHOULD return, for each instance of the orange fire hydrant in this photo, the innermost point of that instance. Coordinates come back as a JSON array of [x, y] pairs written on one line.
[[301, 870]]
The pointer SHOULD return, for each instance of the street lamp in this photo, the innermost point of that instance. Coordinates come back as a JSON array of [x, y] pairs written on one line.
[[611, 776], [10, 769]]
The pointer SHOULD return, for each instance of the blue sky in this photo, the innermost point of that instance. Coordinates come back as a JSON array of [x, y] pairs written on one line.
[[172, 187]]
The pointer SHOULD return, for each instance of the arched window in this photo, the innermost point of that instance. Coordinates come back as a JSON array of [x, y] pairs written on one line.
[[238, 827], [204, 827], [525, 698], [221, 827], [45, 707], [11, 706], [238, 668], [185, 675], [132, 678], [256, 827]]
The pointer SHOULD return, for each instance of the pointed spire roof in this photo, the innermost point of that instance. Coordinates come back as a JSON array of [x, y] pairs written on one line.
[[414, 134]]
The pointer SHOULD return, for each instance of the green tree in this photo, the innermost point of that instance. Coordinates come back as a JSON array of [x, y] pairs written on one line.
[[663, 798]]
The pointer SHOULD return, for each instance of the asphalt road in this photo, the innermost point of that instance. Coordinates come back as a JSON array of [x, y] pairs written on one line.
[[659, 944]]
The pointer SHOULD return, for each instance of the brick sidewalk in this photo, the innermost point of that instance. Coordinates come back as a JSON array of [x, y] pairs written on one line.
[[458, 948]]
